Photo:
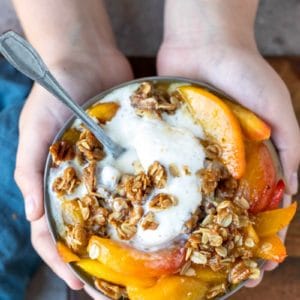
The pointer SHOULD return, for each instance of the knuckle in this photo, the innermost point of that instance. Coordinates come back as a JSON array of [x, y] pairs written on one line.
[[19, 176]]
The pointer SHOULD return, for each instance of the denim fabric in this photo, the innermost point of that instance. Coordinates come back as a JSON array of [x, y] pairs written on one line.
[[18, 260]]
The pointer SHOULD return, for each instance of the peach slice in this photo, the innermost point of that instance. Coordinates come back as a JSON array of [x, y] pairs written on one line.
[[270, 222], [259, 181], [104, 111], [207, 275], [71, 136], [271, 248], [95, 268], [65, 253], [171, 288], [253, 127], [129, 261], [219, 123]]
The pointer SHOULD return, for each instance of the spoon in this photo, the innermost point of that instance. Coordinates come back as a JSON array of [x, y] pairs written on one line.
[[25, 59]]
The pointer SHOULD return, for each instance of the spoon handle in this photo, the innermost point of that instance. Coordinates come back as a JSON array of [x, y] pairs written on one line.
[[25, 59]]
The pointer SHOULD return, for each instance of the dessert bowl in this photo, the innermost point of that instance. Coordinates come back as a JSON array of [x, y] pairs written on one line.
[[190, 211]]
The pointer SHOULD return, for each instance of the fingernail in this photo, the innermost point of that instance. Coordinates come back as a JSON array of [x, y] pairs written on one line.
[[293, 183], [29, 206]]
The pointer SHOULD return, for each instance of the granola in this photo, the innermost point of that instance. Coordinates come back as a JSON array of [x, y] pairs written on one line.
[[162, 201], [110, 290], [146, 98], [137, 187], [61, 151], [158, 175], [89, 176], [149, 222], [67, 183], [89, 146]]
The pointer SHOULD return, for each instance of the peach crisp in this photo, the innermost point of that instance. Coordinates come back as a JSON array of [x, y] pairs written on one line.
[[186, 212]]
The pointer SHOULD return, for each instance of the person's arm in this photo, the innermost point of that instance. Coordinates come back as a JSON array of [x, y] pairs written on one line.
[[75, 40], [214, 41]]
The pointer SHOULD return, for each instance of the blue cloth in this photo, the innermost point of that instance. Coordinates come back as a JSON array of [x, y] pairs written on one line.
[[18, 260]]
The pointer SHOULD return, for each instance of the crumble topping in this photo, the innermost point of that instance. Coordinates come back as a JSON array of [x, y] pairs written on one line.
[[110, 290], [158, 175], [67, 183], [61, 151], [89, 146], [149, 222], [162, 201]]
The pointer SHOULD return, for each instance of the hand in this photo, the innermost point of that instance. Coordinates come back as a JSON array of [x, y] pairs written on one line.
[[237, 68], [40, 120]]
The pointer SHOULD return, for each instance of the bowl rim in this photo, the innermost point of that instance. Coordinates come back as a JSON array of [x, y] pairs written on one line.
[[85, 278]]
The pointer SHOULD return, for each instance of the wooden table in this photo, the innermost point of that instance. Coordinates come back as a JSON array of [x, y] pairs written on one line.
[[284, 282]]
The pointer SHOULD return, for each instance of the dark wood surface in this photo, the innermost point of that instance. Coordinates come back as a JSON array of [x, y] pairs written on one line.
[[284, 282]]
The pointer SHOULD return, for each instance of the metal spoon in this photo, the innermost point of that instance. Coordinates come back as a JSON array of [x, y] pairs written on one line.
[[24, 58]]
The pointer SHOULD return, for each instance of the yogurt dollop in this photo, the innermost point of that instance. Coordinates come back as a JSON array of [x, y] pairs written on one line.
[[172, 140]]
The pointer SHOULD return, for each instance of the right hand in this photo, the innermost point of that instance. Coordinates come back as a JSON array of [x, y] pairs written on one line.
[[41, 118]]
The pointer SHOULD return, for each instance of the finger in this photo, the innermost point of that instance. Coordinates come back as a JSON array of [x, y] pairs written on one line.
[[45, 247], [254, 282], [270, 266], [36, 130], [94, 294]]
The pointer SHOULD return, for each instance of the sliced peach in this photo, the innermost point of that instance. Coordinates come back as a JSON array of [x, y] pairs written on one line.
[[207, 275], [219, 123], [170, 288], [253, 127], [270, 222], [65, 253], [129, 261], [271, 248], [95, 268], [277, 195], [71, 212], [71, 135], [104, 112], [259, 181]]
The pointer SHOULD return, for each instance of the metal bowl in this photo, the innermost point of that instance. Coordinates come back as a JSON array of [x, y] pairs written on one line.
[[50, 210]]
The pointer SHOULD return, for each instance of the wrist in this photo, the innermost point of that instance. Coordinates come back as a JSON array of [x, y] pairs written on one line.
[[210, 23]]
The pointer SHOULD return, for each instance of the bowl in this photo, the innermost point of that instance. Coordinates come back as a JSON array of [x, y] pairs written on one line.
[[51, 209]]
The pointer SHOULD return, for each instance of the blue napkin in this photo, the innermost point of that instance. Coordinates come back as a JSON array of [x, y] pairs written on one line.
[[18, 260]]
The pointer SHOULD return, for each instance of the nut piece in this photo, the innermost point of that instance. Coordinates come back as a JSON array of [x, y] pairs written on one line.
[[148, 222], [239, 273], [137, 187], [67, 183], [158, 175], [90, 147], [89, 176], [162, 201], [110, 290], [61, 151]]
